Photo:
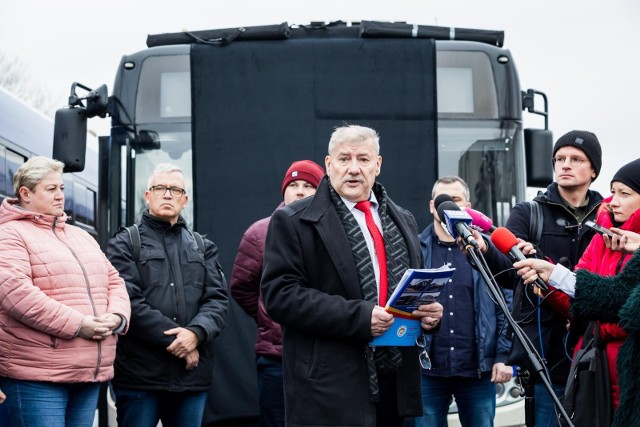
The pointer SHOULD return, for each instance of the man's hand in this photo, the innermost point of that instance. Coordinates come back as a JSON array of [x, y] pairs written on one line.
[[192, 358], [482, 245], [3, 397], [501, 373], [381, 321], [526, 248], [185, 342], [429, 315]]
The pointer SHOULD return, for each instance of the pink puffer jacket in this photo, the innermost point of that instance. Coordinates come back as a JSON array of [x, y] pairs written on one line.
[[52, 274]]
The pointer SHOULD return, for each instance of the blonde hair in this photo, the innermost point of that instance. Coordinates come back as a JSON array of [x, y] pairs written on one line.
[[33, 171], [349, 133]]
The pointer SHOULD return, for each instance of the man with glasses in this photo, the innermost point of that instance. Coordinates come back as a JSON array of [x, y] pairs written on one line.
[[564, 208], [163, 368], [465, 358]]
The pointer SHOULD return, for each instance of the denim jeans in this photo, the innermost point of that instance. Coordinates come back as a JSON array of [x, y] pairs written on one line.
[[144, 408], [475, 397], [545, 407], [270, 391], [42, 403]]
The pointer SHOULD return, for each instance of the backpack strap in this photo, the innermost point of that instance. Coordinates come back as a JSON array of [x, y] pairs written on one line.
[[535, 223], [199, 240], [134, 236]]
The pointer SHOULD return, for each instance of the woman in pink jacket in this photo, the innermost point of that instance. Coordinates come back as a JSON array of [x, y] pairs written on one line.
[[62, 305]]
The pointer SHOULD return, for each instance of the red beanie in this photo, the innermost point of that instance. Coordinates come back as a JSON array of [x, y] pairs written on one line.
[[305, 170]]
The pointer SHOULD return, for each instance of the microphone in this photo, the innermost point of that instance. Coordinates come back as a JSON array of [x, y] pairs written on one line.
[[457, 222], [443, 197], [481, 222], [507, 243]]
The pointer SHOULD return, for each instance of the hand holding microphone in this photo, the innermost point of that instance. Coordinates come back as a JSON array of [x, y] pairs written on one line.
[[457, 222], [530, 269]]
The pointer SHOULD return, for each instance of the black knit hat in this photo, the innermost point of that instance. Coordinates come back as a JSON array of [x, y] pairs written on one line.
[[585, 141], [629, 175]]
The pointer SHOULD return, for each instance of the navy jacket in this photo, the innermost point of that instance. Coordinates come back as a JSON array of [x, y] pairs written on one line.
[[492, 341]]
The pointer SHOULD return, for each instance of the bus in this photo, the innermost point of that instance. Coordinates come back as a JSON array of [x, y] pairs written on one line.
[[234, 107], [25, 132]]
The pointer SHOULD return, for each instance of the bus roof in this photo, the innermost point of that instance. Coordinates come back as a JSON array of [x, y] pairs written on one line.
[[364, 29]]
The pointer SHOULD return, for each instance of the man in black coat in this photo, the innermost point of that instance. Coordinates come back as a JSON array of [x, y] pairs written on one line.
[[321, 282], [564, 208], [163, 368]]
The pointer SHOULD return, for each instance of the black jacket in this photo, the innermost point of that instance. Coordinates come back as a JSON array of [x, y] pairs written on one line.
[[172, 284], [310, 286], [562, 237]]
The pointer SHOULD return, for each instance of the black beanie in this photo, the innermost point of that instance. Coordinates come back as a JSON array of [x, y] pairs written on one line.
[[629, 175], [585, 141]]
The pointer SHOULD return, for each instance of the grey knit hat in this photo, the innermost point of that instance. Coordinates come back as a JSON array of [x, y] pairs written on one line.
[[585, 141]]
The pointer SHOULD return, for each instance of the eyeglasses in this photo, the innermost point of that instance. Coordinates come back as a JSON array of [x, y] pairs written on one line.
[[573, 161], [423, 357], [161, 190]]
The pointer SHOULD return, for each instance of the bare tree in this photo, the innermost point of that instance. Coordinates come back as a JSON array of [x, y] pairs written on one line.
[[15, 78]]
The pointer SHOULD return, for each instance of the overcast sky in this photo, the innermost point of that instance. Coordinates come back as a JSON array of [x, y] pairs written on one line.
[[583, 54]]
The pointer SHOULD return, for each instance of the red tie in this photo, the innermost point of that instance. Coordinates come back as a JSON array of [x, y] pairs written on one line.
[[378, 244]]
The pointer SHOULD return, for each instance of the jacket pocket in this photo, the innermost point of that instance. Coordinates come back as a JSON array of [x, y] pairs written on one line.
[[153, 267], [196, 269]]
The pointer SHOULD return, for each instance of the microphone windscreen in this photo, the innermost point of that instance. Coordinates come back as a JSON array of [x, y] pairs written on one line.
[[447, 206], [503, 239], [441, 198], [480, 220]]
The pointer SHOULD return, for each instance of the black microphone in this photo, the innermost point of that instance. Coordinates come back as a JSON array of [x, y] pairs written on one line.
[[457, 222], [441, 198], [506, 242]]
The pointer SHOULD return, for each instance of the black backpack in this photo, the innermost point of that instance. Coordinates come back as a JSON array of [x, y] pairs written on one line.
[[587, 398], [535, 222]]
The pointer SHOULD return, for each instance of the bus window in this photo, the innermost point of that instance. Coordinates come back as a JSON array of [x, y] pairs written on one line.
[[69, 196], [14, 161], [4, 179], [165, 89], [85, 200], [79, 196], [90, 207], [466, 86]]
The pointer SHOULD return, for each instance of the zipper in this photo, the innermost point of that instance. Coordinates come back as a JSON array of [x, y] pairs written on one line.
[[87, 285]]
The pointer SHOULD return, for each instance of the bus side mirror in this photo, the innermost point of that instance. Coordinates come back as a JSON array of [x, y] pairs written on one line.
[[70, 138], [538, 148]]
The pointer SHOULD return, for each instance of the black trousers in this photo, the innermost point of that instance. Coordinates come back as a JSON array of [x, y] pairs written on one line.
[[387, 408]]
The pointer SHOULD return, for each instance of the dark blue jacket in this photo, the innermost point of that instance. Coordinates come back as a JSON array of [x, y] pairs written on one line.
[[492, 340]]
